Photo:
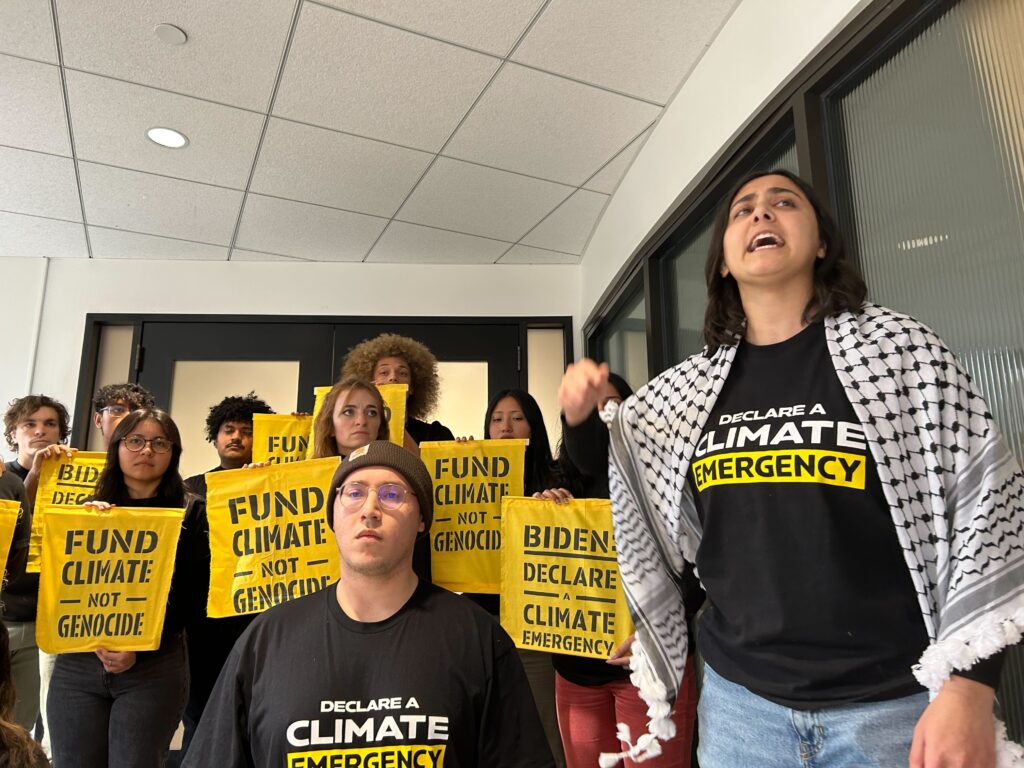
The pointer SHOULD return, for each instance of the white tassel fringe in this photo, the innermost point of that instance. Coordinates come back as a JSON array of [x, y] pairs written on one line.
[[660, 727]]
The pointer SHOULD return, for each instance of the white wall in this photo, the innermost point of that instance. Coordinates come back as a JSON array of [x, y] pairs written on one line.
[[761, 46], [75, 287], [21, 285]]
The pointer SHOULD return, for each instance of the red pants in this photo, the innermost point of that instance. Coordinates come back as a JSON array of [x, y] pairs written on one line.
[[587, 716]]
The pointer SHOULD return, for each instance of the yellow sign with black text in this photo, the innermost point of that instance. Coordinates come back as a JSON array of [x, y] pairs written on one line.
[[470, 480], [395, 396], [425, 755], [280, 438], [105, 579], [63, 480], [560, 585], [269, 538], [10, 510]]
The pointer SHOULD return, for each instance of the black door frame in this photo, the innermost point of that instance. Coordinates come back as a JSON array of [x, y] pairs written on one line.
[[95, 322]]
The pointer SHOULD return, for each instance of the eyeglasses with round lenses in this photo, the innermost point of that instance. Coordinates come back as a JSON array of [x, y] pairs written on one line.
[[136, 443], [116, 410], [390, 496]]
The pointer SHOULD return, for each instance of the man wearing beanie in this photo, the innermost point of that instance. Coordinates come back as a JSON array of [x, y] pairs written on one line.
[[380, 670]]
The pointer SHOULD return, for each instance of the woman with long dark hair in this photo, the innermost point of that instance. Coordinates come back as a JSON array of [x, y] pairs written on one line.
[[593, 695], [851, 508], [122, 707], [17, 748], [513, 413]]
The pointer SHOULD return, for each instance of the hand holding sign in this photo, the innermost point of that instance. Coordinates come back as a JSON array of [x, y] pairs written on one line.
[[560, 585], [106, 574]]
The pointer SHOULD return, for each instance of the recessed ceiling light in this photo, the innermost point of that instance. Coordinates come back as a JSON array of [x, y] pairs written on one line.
[[170, 34], [167, 137]]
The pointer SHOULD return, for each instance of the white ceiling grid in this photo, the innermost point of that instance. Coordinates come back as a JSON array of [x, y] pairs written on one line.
[[436, 132]]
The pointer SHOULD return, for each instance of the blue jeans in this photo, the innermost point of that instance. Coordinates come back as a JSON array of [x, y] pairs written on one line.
[[100, 720], [739, 729]]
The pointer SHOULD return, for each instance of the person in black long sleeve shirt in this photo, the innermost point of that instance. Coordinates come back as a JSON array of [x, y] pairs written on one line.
[[122, 707]]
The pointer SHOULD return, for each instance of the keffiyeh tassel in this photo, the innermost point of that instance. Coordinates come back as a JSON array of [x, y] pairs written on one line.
[[660, 727]]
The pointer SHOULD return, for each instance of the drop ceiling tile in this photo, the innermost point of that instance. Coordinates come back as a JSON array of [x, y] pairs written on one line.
[[524, 254], [643, 49], [608, 178], [487, 25], [232, 55], [413, 244], [32, 105], [141, 202], [30, 236], [569, 226], [26, 29], [115, 244], [546, 126], [110, 119], [481, 201], [373, 80], [38, 184], [307, 231], [316, 165], [238, 254]]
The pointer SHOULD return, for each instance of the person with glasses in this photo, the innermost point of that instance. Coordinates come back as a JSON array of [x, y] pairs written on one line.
[[229, 429], [380, 669], [113, 402], [122, 707]]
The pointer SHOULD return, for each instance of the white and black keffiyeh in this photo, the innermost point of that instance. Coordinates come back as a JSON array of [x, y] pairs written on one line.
[[955, 492]]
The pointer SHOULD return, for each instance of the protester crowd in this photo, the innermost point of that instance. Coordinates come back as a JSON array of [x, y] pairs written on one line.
[[823, 469]]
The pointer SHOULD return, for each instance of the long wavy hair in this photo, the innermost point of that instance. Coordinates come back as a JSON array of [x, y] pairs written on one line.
[[111, 486], [838, 286], [540, 470], [17, 748], [324, 442]]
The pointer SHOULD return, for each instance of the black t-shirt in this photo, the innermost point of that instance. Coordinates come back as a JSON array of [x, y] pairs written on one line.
[[21, 604], [14, 466], [422, 431], [197, 483], [307, 686], [810, 600]]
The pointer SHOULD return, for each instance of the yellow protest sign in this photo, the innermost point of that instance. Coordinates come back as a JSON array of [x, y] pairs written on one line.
[[105, 578], [63, 480], [470, 480], [269, 539], [560, 585], [395, 396], [10, 509], [280, 438], [319, 393]]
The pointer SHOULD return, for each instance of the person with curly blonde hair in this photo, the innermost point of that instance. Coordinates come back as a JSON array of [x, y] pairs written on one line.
[[393, 359]]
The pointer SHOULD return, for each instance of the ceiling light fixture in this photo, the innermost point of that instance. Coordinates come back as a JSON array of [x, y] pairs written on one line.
[[167, 137], [170, 34]]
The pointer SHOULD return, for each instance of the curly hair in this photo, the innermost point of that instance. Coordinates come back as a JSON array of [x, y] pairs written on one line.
[[324, 443], [838, 287], [16, 747], [23, 407], [424, 385], [133, 395], [233, 408]]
